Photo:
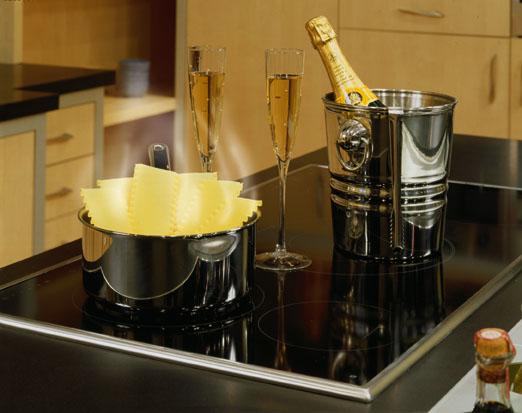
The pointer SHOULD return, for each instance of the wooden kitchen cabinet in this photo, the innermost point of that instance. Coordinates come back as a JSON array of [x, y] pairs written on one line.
[[61, 230], [63, 182], [45, 160], [69, 133], [474, 70], [457, 47], [516, 89], [464, 17], [70, 165], [16, 196]]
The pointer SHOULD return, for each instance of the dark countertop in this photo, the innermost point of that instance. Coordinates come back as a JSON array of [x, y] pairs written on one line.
[[45, 374], [28, 89]]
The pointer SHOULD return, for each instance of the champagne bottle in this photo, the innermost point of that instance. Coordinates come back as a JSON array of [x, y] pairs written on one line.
[[347, 86], [493, 353]]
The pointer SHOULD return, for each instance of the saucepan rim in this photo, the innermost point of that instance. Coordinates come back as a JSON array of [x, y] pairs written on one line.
[[85, 220]]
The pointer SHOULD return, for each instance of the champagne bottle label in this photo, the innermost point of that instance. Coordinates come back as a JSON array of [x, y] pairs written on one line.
[[357, 96]]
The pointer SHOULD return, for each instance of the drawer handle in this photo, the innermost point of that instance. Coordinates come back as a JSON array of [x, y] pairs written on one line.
[[521, 85], [64, 137], [423, 13], [62, 192], [492, 79]]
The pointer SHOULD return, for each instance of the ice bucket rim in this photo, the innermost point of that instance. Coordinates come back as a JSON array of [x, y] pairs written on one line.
[[329, 102]]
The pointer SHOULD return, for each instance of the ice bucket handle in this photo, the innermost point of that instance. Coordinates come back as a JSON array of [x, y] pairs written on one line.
[[395, 147], [353, 145]]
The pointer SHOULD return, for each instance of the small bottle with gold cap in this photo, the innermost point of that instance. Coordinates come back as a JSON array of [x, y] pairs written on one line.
[[347, 86], [493, 354]]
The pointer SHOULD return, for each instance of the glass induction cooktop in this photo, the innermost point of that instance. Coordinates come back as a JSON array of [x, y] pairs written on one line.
[[343, 326]]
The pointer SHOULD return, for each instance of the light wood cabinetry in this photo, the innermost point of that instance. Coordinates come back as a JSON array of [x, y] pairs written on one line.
[[469, 17], [16, 196], [61, 230], [118, 110], [516, 89], [10, 32], [63, 182], [70, 133], [85, 33], [45, 160], [475, 70], [70, 155], [457, 47]]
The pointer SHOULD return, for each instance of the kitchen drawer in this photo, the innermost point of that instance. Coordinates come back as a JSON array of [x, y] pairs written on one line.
[[70, 133], [63, 184], [473, 17], [62, 230], [473, 69]]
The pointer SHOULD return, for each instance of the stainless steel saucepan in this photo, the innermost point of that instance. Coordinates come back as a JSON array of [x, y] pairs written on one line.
[[169, 279]]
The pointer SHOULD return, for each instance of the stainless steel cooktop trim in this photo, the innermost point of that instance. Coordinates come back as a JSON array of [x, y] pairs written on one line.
[[189, 359], [365, 393]]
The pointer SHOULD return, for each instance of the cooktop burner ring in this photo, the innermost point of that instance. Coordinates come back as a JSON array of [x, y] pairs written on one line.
[[333, 333]]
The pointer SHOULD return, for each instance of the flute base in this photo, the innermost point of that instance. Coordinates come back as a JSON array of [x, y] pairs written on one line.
[[282, 261]]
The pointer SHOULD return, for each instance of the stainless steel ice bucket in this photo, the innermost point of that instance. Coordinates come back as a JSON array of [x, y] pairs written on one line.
[[389, 169]]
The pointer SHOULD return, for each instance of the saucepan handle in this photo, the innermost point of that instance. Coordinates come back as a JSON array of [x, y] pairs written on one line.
[[159, 156]]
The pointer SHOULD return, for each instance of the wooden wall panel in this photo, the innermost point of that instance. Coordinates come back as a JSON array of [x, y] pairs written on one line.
[[85, 33], [10, 31], [246, 29]]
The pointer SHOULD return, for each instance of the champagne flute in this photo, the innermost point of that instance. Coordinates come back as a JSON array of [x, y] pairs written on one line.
[[284, 73], [206, 70]]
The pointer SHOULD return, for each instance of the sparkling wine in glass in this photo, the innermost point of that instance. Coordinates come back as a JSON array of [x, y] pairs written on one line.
[[206, 69], [284, 74]]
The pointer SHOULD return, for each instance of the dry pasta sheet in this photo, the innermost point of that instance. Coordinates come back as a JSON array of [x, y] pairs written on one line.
[[165, 203]]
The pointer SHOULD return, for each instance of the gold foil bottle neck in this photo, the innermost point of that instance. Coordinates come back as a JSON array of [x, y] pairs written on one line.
[[493, 343], [320, 30]]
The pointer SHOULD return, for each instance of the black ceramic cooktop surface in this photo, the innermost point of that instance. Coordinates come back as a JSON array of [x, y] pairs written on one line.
[[342, 318]]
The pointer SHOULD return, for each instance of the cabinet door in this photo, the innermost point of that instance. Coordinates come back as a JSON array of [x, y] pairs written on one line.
[[473, 69], [516, 89], [16, 197]]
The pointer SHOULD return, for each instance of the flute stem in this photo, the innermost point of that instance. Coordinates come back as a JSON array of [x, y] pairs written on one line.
[[206, 163], [283, 171]]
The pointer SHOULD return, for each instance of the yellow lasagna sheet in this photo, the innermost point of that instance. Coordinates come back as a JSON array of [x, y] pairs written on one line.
[[162, 203], [202, 204], [234, 215], [152, 197], [107, 208]]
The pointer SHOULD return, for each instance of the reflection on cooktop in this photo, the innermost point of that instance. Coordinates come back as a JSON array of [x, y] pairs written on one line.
[[343, 319]]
